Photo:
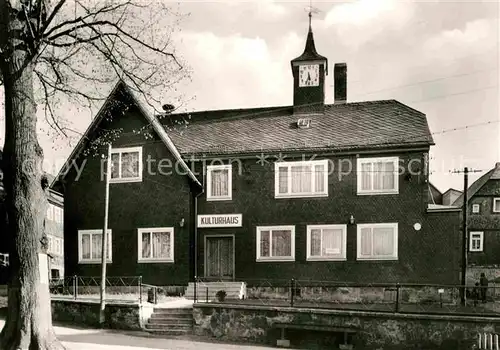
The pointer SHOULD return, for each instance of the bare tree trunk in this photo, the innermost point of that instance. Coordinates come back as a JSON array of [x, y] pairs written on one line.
[[29, 319]]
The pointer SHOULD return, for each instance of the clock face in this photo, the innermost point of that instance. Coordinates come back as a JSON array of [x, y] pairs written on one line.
[[309, 75]]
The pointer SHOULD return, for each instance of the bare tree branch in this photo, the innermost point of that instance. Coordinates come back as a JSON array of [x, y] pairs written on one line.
[[48, 107], [51, 17]]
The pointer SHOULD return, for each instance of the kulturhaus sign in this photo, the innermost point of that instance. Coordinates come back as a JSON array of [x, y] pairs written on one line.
[[220, 220]]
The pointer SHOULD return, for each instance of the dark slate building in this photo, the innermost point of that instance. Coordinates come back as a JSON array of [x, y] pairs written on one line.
[[335, 192], [483, 223]]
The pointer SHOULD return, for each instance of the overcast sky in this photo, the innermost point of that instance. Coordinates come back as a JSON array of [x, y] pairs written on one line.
[[440, 58]]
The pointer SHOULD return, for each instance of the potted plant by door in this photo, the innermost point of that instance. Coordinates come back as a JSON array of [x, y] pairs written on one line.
[[221, 295]]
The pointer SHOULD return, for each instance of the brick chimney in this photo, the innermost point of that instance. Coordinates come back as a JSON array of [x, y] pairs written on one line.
[[340, 82]]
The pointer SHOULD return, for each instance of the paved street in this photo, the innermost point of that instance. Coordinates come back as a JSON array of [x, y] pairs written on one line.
[[85, 339]]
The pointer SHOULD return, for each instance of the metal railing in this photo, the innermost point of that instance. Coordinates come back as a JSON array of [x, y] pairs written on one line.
[[376, 297], [487, 341], [200, 288], [119, 288]]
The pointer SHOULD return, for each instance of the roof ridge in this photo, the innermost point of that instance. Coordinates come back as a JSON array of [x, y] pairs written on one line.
[[270, 109], [474, 187]]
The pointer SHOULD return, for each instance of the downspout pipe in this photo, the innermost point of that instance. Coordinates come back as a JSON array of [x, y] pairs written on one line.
[[195, 221]]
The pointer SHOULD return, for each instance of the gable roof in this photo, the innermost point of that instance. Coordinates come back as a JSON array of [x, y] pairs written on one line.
[[493, 174], [350, 126], [431, 185], [435, 194], [451, 190], [157, 127]]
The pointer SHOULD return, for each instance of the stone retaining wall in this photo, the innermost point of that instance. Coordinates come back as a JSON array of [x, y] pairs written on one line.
[[357, 294], [376, 330], [118, 316]]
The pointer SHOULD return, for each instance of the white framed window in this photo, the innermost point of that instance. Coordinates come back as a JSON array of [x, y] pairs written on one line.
[[4, 259], [219, 182], [90, 246], [377, 241], [378, 175], [476, 208], [275, 243], [126, 164], [57, 214], [326, 242], [50, 212], [155, 244], [51, 243], [58, 246], [476, 240], [301, 179], [496, 205]]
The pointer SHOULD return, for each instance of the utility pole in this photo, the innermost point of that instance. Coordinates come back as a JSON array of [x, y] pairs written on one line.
[[465, 235], [104, 244], [465, 243]]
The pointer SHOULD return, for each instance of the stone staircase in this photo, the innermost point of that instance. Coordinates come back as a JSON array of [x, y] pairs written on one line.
[[170, 321], [234, 290]]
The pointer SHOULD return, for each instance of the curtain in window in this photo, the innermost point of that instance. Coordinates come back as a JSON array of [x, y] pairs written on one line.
[[383, 176], [332, 242], [161, 245], [85, 246], [366, 241], [283, 179], [389, 178], [319, 173], [315, 242], [130, 164], [220, 182], [366, 176], [301, 179], [146, 245], [115, 165], [96, 246], [281, 243], [264, 244], [378, 175], [383, 241]]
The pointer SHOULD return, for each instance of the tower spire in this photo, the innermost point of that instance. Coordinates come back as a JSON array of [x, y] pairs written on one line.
[[310, 16], [310, 52]]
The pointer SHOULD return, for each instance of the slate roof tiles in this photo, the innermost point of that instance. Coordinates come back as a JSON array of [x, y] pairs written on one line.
[[361, 125]]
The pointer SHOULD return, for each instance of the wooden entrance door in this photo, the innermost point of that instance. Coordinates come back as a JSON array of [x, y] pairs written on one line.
[[219, 257]]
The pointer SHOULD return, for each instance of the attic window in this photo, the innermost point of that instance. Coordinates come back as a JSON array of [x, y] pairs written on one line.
[[126, 164], [304, 123]]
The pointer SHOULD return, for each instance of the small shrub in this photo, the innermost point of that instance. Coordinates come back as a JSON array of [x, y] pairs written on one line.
[[221, 295]]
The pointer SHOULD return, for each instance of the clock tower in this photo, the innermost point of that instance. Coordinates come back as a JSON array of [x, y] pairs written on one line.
[[309, 71]]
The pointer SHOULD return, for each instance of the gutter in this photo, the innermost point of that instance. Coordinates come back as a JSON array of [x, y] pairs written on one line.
[[195, 217], [299, 153], [443, 210]]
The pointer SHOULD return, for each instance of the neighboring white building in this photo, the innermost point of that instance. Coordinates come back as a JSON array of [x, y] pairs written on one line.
[[54, 226]]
